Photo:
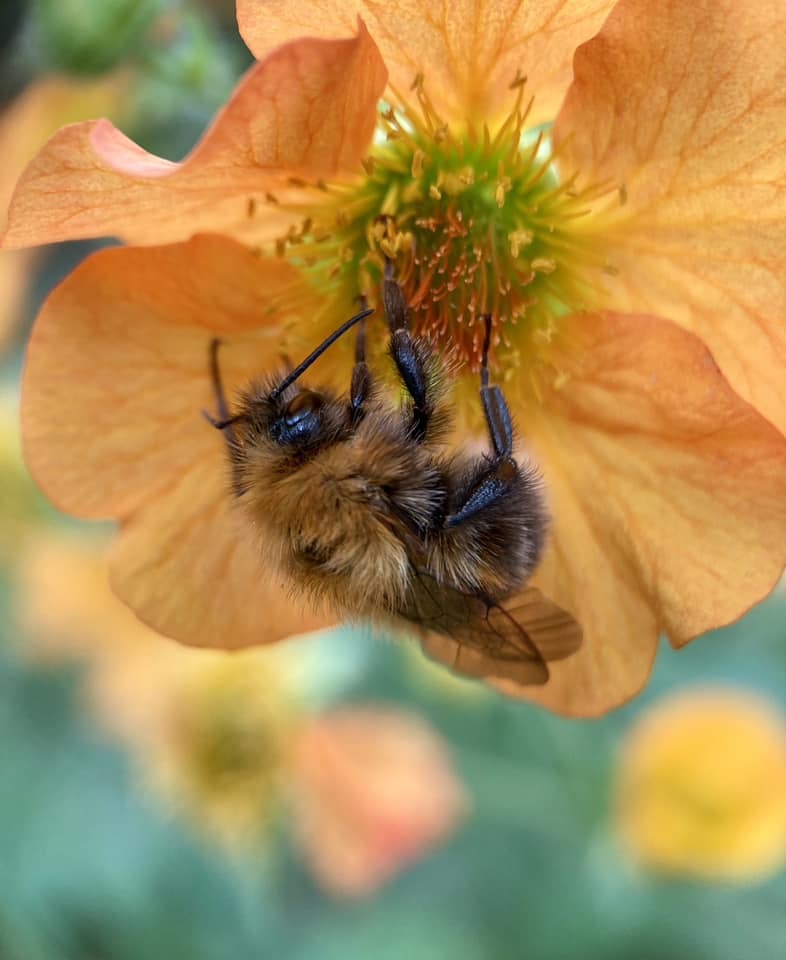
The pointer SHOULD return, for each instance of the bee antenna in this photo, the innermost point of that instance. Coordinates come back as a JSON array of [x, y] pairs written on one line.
[[316, 354]]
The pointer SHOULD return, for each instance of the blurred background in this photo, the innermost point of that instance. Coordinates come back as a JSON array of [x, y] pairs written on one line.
[[336, 797]]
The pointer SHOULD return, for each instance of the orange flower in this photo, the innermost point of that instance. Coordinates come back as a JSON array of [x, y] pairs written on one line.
[[702, 786], [226, 740], [633, 262]]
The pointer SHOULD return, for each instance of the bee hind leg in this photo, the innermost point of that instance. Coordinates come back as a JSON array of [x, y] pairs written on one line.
[[496, 475], [496, 506], [495, 407]]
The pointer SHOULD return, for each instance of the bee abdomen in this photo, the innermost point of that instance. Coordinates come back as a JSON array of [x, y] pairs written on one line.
[[362, 571]]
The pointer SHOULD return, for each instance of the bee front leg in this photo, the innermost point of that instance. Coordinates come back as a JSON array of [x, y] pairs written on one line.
[[218, 387], [361, 387], [225, 420]]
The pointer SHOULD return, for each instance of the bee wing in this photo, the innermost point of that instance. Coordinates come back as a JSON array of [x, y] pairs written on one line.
[[477, 637]]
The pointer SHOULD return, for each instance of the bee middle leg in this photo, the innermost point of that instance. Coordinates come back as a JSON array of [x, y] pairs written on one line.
[[412, 356]]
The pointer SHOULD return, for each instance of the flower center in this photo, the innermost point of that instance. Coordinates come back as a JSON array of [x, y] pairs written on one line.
[[476, 222]]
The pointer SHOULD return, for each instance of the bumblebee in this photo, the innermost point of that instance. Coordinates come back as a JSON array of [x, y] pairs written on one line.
[[360, 506]]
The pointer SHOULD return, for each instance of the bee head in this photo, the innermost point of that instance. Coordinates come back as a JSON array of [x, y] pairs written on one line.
[[281, 413], [291, 422], [301, 418], [298, 420]]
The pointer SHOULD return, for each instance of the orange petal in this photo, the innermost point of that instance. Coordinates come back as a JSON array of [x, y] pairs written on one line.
[[117, 366], [116, 376], [667, 493], [376, 791], [308, 110], [192, 570], [685, 105], [468, 52]]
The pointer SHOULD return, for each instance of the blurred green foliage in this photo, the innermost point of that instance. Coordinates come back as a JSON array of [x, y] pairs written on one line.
[[184, 59], [90, 868], [91, 38]]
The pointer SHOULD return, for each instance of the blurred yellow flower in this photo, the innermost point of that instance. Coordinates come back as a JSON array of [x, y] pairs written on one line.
[[702, 786], [21, 506], [631, 254], [207, 731], [220, 747]]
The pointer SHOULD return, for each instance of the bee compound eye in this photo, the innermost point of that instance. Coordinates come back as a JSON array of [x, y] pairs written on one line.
[[299, 408]]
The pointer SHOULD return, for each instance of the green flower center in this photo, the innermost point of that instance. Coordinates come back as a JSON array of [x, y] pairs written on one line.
[[476, 222]]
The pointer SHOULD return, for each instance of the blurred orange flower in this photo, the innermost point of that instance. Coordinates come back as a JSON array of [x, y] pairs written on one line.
[[227, 739], [376, 789], [633, 262], [25, 125], [702, 786]]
